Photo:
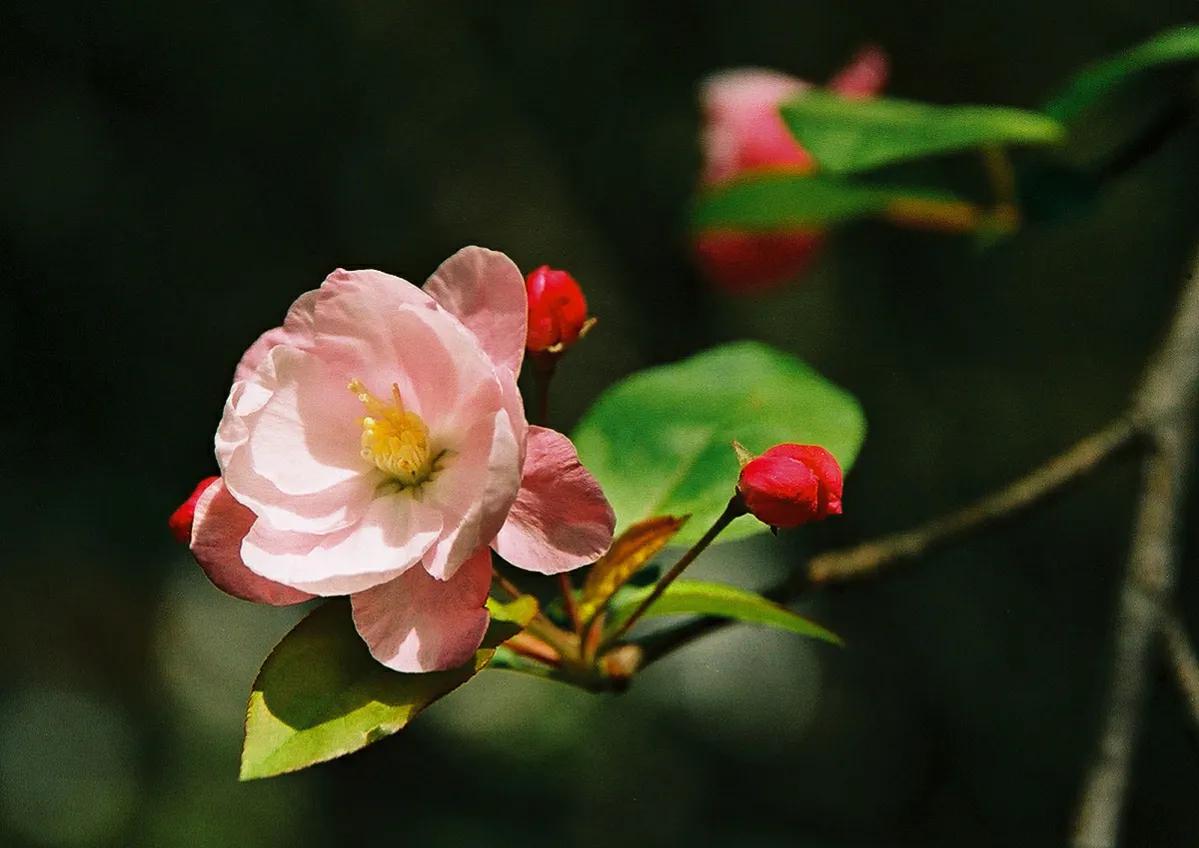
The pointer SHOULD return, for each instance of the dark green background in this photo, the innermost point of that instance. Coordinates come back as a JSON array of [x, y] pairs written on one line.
[[172, 174]]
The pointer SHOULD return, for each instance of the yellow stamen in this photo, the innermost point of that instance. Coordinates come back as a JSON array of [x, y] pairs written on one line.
[[393, 438]]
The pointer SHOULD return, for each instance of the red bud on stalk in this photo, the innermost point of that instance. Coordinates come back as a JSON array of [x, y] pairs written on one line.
[[790, 485], [557, 310]]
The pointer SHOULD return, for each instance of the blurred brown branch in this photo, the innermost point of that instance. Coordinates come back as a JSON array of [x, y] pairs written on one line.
[[1165, 406], [1184, 664]]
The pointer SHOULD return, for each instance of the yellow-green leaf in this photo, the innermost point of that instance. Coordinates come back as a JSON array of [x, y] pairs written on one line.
[[320, 694]]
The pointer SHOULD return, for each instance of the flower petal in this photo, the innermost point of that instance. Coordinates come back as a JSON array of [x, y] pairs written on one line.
[[306, 438], [418, 623], [354, 319], [218, 528], [296, 331], [392, 536], [474, 494], [743, 128], [561, 519], [864, 76], [485, 291]]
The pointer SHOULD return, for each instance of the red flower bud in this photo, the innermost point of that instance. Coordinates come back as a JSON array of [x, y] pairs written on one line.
[[557, 310], [790, 485], [181, 519]]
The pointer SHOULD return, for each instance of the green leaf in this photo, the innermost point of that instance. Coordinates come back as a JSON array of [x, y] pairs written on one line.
[[697, 597], [846, 135], [1093, 83], [784, 200], [320, 694], [660, 441]]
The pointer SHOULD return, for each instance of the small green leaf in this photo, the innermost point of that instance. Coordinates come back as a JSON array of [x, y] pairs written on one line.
[[784, 200], [696, 597], [658, 441], [320, 694], [1093, 83], [846, 135]]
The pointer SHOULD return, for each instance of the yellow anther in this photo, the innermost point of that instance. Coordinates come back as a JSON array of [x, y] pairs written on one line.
[[393, 438]]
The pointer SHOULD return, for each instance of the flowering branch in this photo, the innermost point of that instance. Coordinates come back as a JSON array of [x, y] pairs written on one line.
[[870, 558], [1166, 390]]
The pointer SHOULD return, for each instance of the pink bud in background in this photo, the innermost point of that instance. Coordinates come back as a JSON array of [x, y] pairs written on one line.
[[790, 485], [744, 134]]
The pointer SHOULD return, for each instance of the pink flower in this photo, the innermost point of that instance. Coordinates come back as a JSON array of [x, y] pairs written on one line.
[[375, 445], [744, 133]]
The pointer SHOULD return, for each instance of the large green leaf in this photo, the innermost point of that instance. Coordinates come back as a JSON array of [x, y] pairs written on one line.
[[659, 442], [785, 200], [320, 694], [846, 135], [1094, 82], [697, 597]]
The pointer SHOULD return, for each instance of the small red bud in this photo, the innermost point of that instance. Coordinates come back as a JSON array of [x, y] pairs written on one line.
[[557, 310], [181, 519], [790, 485]]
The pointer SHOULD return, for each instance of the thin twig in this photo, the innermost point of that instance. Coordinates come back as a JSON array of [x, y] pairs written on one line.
[[1007, 503], [1164, 404], [1184, 664]]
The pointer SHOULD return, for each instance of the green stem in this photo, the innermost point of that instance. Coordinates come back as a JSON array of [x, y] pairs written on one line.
[[734, 509]]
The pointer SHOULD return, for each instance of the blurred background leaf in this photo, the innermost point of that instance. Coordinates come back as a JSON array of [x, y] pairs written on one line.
[[780, 201], [1101, 79], [846, 135]]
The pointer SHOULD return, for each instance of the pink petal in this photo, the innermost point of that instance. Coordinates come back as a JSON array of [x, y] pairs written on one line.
[[332, 509], [864, 76], [219, 526], [437, 364], [307, 436], [391, 537], [417, 623], [486, 292], [561, 519], [296, 331], [354, 318], [743, 129], [474, 494]]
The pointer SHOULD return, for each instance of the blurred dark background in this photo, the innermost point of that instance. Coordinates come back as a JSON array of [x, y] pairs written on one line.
[[173, 174]]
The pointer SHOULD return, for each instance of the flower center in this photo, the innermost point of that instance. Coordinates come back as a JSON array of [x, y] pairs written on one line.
[[393, 438]]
